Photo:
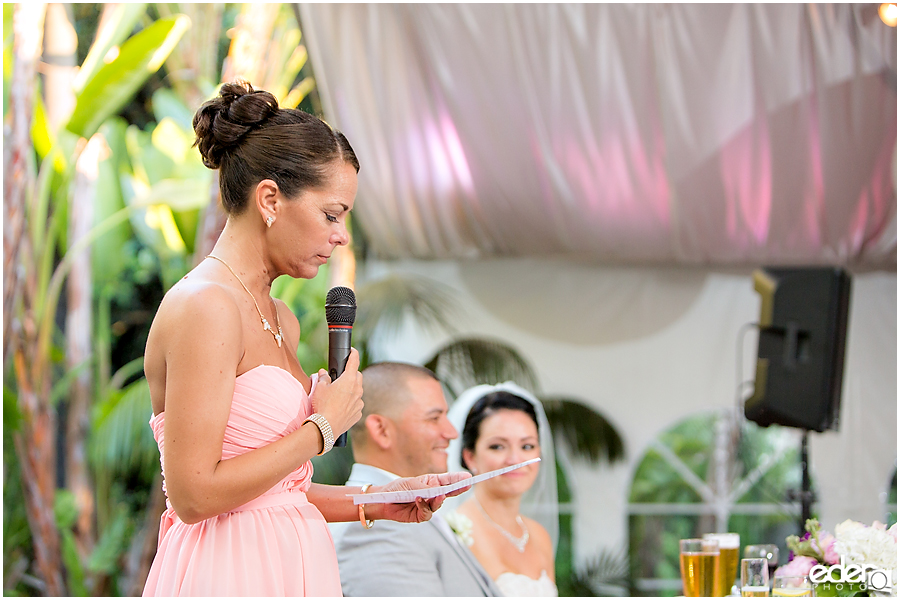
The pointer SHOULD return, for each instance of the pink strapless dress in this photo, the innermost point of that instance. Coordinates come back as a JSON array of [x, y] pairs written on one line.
[[275, 545]]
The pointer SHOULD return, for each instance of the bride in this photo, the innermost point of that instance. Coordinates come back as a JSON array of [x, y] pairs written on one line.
[[510, 522]]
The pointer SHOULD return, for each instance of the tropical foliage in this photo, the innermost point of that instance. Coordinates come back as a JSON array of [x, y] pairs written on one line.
[[103, 211]]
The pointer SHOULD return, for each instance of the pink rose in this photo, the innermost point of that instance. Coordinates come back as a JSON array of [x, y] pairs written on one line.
[[799, 567], [828, 551], [831, 555]]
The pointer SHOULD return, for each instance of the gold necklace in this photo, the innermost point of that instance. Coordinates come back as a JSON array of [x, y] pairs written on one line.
[[266, 327]]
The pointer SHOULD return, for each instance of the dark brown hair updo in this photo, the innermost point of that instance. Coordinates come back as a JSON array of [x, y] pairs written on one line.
[[485, 407], [245, 135]]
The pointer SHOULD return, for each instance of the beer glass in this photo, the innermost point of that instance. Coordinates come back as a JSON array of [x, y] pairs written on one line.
[[698, 566], [754, 577], [729, 556], [787, 586]]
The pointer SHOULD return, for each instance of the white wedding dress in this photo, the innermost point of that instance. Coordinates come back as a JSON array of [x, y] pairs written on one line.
[[514, 584]]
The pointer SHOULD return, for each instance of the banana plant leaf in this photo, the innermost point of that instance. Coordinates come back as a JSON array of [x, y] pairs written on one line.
[[107, 258], [167, 105], [116, 82], [123, 19], [176, 143]]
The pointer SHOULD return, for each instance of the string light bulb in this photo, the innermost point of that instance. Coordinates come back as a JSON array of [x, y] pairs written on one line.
[[888, 14]]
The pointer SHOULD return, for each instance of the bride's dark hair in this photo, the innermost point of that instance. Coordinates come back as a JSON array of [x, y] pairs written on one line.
[[244, 134], [485, 407]]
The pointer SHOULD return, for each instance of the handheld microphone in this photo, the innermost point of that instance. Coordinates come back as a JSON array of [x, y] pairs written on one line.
[[340, 312]]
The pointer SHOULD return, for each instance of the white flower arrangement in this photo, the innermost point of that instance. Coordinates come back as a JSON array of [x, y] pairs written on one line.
[[875, 545], [461, 526]]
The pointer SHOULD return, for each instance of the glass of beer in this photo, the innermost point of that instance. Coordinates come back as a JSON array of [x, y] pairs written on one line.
[[729, 556], [698, 566], [754, 577], [795, 586]]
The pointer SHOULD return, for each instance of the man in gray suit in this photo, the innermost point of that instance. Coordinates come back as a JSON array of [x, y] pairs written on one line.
[[404, 432]]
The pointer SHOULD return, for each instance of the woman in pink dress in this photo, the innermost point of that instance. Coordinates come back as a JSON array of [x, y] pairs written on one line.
[[235, 416]]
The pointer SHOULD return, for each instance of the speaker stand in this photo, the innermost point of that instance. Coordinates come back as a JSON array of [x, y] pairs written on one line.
[[807, 496]]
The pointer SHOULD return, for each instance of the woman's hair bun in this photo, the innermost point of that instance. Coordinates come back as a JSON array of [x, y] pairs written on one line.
[[221, 123]]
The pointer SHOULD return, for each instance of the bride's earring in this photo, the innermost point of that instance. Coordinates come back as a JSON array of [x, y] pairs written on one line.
[[270, 220]]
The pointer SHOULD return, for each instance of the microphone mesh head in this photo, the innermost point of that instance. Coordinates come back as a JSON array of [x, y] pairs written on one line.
[[340, 306]]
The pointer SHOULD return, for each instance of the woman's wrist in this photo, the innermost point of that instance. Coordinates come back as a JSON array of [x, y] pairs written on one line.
[[361, 508], [325, 431], [376, 511]]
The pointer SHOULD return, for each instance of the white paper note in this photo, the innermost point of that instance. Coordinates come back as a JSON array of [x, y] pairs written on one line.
[[411, 495]]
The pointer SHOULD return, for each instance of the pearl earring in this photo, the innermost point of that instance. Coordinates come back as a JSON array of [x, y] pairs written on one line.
[[270, 220]]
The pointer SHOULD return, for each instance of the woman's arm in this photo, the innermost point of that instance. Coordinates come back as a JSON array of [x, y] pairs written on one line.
[[200, 337], [335, 503]]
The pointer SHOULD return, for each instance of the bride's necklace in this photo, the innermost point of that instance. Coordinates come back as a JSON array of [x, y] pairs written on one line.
[[518, 542], [266, 327]]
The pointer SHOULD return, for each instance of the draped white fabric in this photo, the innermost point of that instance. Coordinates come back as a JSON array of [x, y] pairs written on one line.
[[697, 134]]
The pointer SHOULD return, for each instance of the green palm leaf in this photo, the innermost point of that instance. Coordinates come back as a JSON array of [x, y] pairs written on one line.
[[605, 574], [123, 441], [473, 361], [386, 301], [587, 433]]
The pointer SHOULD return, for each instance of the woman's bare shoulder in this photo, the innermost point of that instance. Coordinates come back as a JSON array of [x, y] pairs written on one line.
[[536, 528], [197, 313], [540, 537], [197, 327], [195, 298]]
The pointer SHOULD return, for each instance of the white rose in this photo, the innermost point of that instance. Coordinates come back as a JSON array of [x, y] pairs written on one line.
[[461, 526]]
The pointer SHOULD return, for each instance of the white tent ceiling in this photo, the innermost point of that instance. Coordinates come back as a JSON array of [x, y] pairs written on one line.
[[685, 134]]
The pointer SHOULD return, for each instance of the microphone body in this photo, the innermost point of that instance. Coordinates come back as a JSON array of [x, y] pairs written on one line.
[[338, 349], [340, 313]]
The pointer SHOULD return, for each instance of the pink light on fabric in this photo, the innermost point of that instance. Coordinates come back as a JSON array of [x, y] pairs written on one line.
[[438, 159], [455, 154], [746, 171], [814, 196]]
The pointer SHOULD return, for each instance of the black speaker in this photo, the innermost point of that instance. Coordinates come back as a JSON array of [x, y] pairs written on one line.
[[800, 356]]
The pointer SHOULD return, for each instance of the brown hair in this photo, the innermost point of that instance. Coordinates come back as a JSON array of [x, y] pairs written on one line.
[[245, 135]]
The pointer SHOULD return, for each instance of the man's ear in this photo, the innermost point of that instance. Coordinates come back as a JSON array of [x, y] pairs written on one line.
[[266, 198], [381, 431]]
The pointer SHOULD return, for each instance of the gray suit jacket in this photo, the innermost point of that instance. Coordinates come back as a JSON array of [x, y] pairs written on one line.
[[406, 559]]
